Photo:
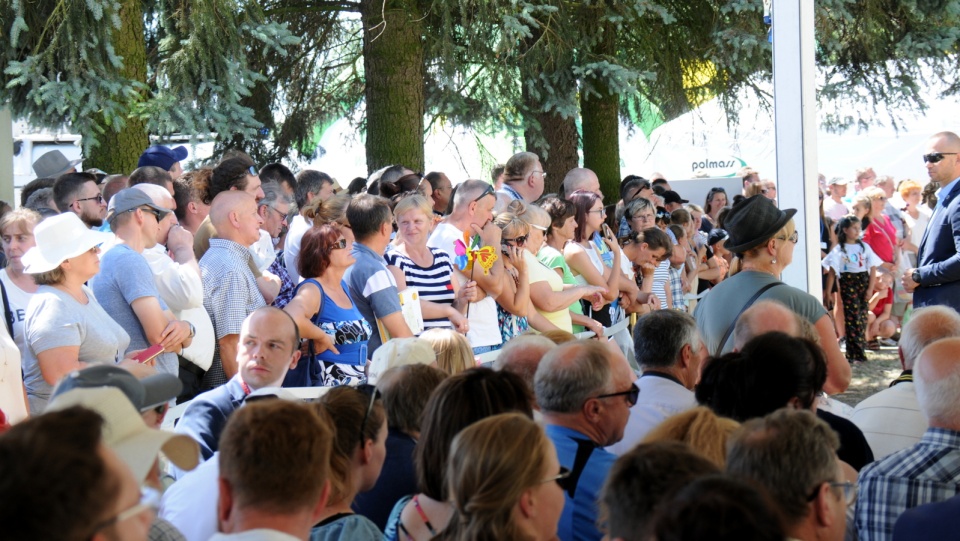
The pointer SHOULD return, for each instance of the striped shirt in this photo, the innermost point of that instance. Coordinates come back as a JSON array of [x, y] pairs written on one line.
[[433, 283]]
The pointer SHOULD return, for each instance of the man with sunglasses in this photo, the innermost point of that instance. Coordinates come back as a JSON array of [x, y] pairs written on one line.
[[585, 394], [125, 286], [78, 193], [936, 279]]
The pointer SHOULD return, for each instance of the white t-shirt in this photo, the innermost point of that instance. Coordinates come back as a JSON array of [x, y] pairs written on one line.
[[851, 258], [291, 246], [19, 299], [484, 330], [834, 210]]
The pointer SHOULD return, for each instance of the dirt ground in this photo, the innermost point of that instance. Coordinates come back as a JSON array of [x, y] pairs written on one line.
[[881, 368]]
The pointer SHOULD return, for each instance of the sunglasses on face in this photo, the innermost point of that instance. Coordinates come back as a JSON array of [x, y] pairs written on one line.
[[519, 241], [98, 198], [936, 157], [632, 394], [340, 244]]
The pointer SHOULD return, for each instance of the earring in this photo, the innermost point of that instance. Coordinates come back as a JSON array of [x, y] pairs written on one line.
[[773, 261]]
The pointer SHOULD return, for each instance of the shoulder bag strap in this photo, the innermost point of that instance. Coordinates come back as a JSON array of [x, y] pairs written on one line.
[[7, 313], [753, 299]]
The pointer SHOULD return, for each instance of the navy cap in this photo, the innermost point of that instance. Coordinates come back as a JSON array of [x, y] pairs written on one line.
[[162, 157]]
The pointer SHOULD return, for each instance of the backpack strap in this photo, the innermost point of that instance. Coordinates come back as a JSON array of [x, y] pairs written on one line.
[[753, 299]]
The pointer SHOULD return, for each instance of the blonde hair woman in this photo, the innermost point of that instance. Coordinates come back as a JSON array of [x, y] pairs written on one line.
[[764, 238], [513, 304], [504, 488], [454, 354], [700, 428], [427, 270], [16, 233]]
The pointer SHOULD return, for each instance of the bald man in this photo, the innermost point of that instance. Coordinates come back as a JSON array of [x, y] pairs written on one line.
[[936, 279], [928, 471], [230, 289], [764, 317], [581, 178]]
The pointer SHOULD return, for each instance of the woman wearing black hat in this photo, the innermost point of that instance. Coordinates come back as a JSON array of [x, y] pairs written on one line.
[[763, 237]]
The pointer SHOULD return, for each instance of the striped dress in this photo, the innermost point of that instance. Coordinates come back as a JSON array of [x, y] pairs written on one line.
[[433, 283]]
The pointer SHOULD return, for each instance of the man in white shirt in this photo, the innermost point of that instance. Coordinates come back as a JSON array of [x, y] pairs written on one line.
[[891, 420], [473, 213], [669, 352], [834, 207]]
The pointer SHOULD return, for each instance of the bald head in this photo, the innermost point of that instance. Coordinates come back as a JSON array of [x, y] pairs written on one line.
[[764, 317], [581, 178], [158, 194], [522, 355], [925, 326], [228, 214], [949, 138], [468, 192], [937, 378]]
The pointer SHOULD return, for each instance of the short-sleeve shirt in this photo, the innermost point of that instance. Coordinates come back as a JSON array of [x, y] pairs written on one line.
[[230, 294], [484, 330], [857, 257], [55, 319], [715, 313], [124, 277], [882, 237], [538, 272], [433, 283], [19, 299], [373, 290]]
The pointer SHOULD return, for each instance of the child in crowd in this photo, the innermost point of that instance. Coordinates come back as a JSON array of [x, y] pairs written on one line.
[[881, 324], [677, 267], [854, 264]]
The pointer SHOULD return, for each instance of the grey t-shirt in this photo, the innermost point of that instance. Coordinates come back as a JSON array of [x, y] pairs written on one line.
[[55, 319], [373, 290], [716, 312], [124, 277]]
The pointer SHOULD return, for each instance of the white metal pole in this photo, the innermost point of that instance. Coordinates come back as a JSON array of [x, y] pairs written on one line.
[[795, 119]]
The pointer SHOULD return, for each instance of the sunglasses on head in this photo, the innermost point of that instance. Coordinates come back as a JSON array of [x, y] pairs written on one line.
[[253, 171], [936, 157], [486, 191]]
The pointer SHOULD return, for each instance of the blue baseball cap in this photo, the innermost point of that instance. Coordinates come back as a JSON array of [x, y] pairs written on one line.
[[162, 157]]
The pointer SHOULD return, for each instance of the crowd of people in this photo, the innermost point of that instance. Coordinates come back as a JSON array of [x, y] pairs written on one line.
[[484, 360]]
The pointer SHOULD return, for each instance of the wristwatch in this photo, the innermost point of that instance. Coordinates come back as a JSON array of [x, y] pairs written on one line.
[[916, 276], [193, 330]]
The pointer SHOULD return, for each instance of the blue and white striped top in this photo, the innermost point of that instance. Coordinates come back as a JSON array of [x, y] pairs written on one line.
[[433, 283]]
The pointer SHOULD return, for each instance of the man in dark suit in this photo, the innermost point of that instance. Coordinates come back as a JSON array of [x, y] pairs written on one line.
[[936, 280]]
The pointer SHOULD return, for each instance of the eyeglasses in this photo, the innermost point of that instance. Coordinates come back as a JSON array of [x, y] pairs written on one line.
[[149, 501], [936, 157], [519, 241], [374, 395], [600, 211], [794, 238], [644, 217], [99, 198], [283, 217], [848, 489], [632, 394], [544, 173], [563, 479], [340, 244], [487, 191]]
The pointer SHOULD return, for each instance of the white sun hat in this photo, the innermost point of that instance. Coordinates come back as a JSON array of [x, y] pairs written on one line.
[[59, 238]]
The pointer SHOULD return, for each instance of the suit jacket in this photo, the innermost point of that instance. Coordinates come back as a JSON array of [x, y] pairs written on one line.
[[939, 520], [938, 260]]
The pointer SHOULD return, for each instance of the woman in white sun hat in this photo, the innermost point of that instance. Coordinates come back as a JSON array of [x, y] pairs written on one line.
[[65, 328]]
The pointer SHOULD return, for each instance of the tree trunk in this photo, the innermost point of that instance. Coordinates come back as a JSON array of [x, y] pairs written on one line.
[[600, 118], [394, 73], [560, 154], [119, 149]]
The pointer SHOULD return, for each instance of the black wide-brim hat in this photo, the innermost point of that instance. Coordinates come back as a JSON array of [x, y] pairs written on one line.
[[753, 221]]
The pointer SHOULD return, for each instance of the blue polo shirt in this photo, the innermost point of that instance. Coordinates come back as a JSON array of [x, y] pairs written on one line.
[[589, 465]]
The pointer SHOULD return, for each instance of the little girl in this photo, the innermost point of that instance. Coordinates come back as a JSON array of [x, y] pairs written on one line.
[[854, 264]]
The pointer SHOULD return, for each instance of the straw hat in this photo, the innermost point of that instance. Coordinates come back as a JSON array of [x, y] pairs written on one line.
[[59, 238]]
